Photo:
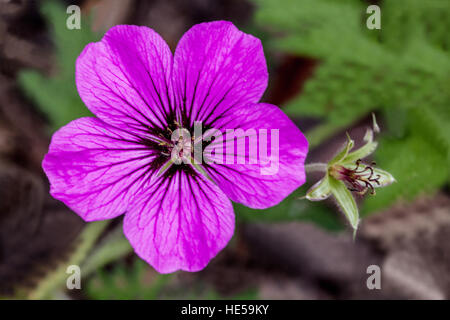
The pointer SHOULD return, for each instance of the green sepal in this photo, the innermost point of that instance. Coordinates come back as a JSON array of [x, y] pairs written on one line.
[[383, 177], [364, 151], [319, 191], [345, 201], [343, 153]]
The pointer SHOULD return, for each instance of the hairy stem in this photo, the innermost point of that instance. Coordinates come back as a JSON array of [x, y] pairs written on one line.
[[56, 278], [316, 167]]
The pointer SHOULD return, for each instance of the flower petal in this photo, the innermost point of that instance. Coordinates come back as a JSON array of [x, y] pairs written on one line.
[[180, 223], [125, 78], [96, 169], [270, 178], [218, 68]]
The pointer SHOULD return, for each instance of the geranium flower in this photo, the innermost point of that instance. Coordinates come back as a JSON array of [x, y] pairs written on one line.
[[346, 173], [177, 216]]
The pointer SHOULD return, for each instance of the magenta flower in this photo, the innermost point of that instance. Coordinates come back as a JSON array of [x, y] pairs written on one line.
[[176, 216]]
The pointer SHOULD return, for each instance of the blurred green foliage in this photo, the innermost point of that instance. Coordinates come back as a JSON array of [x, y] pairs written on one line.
[[401, 71], [122, 282], [56, 95], [139, 281]]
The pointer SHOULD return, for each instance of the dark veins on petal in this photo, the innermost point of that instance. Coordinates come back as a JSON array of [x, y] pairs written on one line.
[[176, 116]]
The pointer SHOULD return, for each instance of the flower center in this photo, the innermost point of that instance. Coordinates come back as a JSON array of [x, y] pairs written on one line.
[[177, 143], [178, 147], [359, 179]]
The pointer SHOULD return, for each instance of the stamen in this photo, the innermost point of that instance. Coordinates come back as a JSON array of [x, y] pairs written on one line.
[[359, 180]]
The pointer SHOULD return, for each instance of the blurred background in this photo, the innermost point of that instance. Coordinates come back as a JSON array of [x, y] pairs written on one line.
[[328, 72]]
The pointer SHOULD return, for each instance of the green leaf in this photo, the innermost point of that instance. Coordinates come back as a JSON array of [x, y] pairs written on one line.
[[345, 201]]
